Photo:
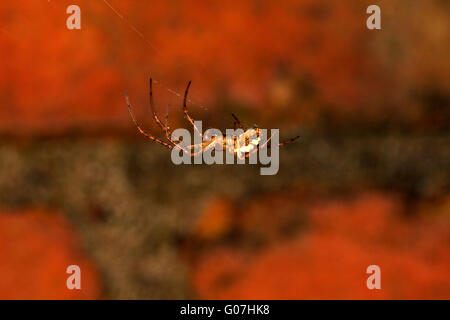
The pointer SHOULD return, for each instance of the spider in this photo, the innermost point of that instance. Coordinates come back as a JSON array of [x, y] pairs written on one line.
[[242, 145]]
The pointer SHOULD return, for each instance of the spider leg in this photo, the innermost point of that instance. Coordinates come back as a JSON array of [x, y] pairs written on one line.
[[151, 137], [191, 149], [205, 146], [165, 127], [167, 121], [237, 122], [155, 116], [288, 141], [188, 117], [284, 142]]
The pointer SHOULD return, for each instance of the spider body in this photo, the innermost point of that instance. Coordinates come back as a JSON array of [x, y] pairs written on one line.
[[244, 143], [241, 145]]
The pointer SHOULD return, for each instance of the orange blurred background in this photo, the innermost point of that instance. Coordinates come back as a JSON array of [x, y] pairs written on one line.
[[367, 183]]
